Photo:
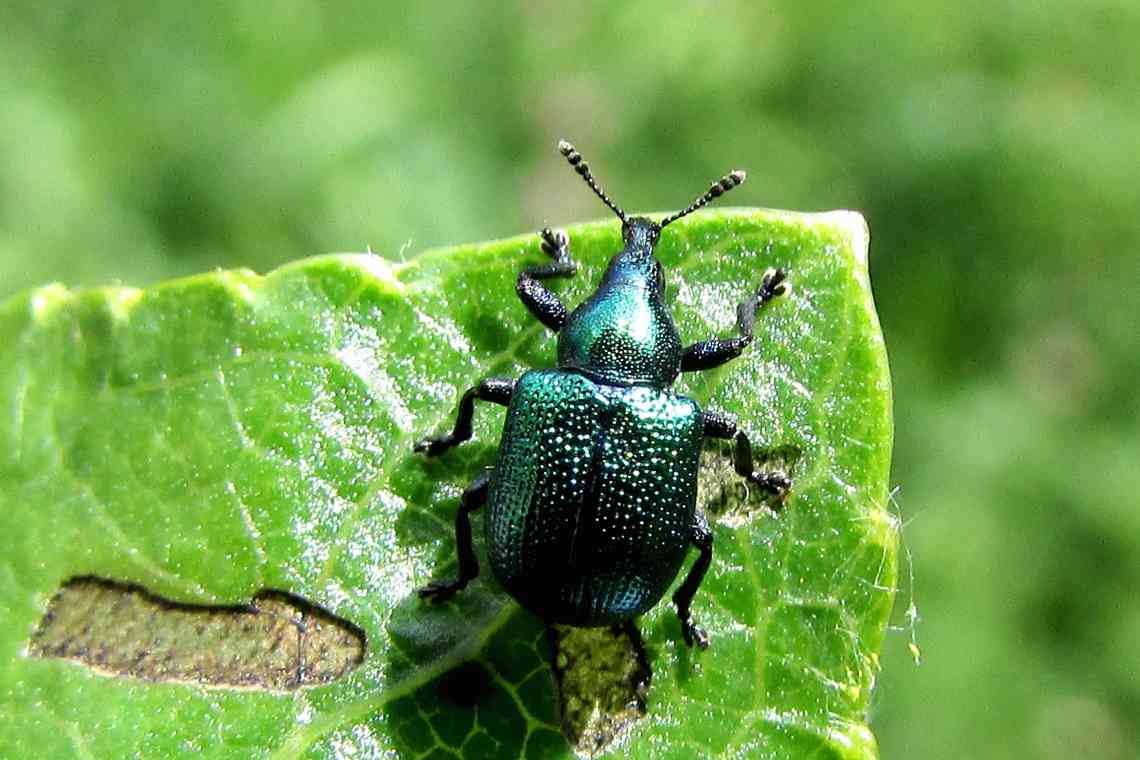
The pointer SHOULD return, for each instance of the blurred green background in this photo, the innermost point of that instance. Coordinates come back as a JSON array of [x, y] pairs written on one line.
[[994, 148]]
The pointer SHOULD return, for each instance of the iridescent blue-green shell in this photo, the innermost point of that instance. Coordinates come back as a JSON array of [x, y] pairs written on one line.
[[592, 500]]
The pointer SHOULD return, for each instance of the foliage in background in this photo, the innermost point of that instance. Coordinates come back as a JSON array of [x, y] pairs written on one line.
[[992, 147]]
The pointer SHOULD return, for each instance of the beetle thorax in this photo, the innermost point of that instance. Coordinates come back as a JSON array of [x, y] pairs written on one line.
[[623, 333]]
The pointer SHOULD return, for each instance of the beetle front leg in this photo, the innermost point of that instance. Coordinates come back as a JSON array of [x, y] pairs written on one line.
[[494, 389], [702, 538], [718, 425], [543, 304], [712, 353], [474, 497]]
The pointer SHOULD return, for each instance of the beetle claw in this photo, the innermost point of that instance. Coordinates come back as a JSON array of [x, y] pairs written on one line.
[[772, 285], [440, 591], [694, 634], [775, 483], [556, 245], [554, 242], [432, 447]]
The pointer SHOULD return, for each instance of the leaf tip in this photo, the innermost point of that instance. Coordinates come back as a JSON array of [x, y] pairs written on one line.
[[853, 226]]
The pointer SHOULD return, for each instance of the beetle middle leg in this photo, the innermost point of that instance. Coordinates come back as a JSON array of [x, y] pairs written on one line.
[[543, 304], [708, 354], [719, 425], [702, 538], [474, 497], [494, 389]]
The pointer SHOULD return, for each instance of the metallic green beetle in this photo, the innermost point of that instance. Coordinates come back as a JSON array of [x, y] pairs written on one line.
[[592, 502]]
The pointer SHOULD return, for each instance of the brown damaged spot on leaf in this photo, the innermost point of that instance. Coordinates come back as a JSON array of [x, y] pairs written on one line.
[[725, 497], [599, 694], [278, 642]]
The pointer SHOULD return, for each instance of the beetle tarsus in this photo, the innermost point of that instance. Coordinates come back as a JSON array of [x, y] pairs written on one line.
[[777, 484], [543, 304], [556, 245], [441, 591], [772, 285], [694, 634], [433, 447]]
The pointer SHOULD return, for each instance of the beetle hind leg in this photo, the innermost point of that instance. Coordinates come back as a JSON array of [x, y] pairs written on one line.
[[643, 675], [473, 498], [702, 538], [720, 425]]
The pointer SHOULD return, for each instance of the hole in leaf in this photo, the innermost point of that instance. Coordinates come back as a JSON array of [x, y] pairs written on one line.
[[278, 642], [597, 673], [725, 496]]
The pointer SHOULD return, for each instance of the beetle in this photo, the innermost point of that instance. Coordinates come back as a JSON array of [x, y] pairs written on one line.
[[592, 500]]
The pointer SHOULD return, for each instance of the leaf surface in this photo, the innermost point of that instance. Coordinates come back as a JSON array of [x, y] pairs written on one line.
[[215, 436]]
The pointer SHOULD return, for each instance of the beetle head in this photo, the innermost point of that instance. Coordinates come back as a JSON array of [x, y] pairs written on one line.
[[641, 233], [635, 264], [624, 333]]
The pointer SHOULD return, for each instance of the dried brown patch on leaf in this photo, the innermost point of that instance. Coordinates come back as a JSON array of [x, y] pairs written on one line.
[[277, 643], [601, 686]]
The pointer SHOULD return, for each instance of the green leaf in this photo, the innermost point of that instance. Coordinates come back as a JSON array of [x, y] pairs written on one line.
[[215, 436]]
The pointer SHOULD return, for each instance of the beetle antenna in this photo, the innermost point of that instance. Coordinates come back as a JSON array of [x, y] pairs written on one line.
[[719, 188], [575, 158]]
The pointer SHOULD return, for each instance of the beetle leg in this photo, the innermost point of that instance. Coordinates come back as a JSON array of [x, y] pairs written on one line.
[[644, 673], [473, 497], [495, 389], [714, 352], [719, 425], [702, 538], [543, 304]]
